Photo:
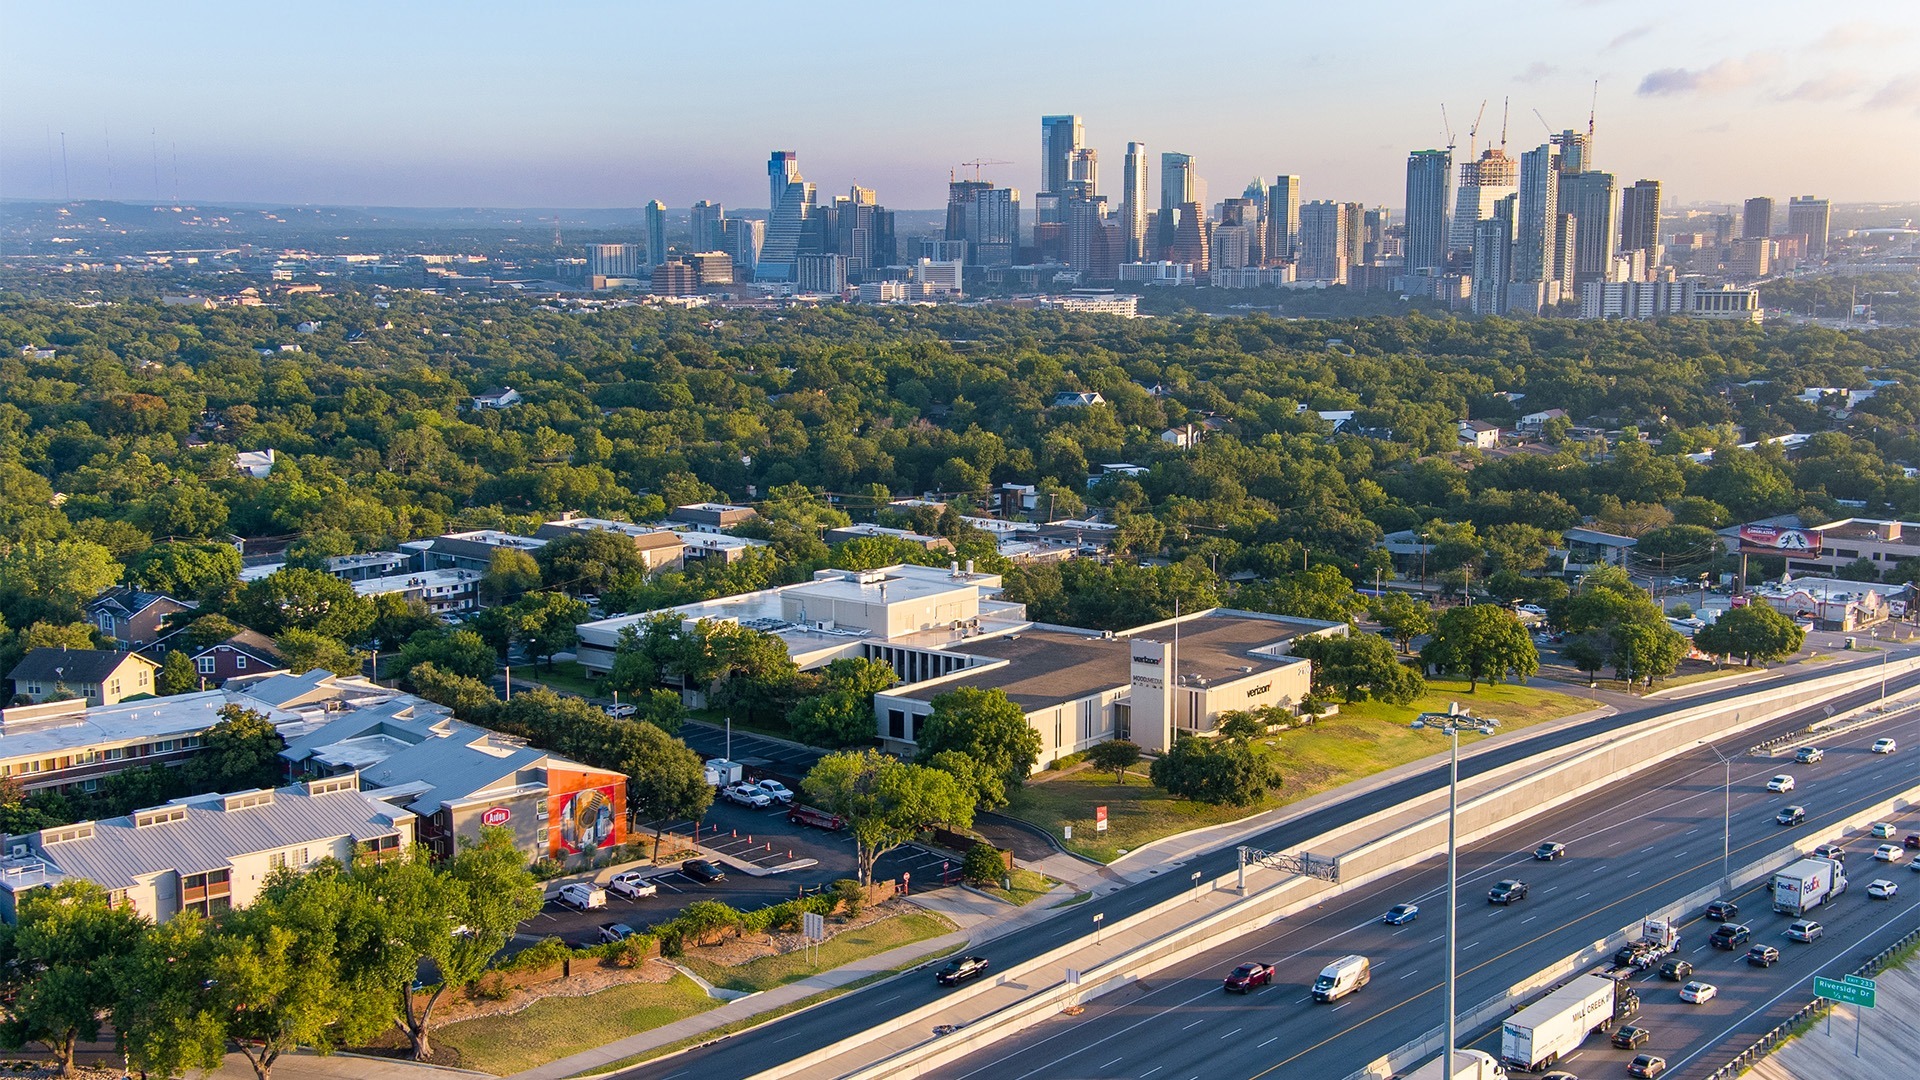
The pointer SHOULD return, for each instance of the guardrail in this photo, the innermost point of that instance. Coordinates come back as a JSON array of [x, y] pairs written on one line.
[[1834, 725]]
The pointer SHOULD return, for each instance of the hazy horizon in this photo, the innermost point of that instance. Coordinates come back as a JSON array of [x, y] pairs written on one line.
[[604, 106]]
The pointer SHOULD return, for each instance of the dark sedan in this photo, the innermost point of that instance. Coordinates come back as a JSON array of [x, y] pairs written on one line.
[[960, 969], [703, 870]]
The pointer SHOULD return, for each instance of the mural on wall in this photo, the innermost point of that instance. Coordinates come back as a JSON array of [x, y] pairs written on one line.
[[584, 820]]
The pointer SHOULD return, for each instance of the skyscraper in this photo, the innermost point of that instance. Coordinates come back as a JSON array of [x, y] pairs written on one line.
[[1756, 219], [613, 260], [1060, 136], [987, 219], [1590, 197], [1492, 247], [1811, 218], [1083, 171], [1429, 178], [1323, 241], [656, 232], [742, 238], [1283, 218], [790, 202], [1133, 204], [1087, 249], [1538, 217], [1640, 220], [1356, 245], [1483, 182], [863, 232], [1190, 238], [706, 217], [1575, 149], [1176, 191]]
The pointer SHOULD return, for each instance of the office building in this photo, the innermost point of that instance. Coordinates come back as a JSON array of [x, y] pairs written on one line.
[[1177, 189], [1751, 258], [1812, 220], [1356, 229], [741, 238], [1087, 248], [986, 219], [1429, 184], [706, 218], [675, 279], [711, 267], [1323, 241], [1492, 247], [821, 273], [1640, 219], [1539, 219], [1060, 136], [791, 200], [863, 232], [613, 260], [1083, 172], [1133, 204], [1190, 238], [1756, 219], [1483, 183], [1376, 227], [1283, 219], [656, 233], [1589, 197]]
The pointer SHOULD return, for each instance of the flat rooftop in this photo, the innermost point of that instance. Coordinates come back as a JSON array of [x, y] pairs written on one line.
[[1043, 668], [1219, 645]]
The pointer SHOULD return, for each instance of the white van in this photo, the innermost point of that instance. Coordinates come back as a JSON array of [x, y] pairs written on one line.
[[583, 895], [1342, 977]]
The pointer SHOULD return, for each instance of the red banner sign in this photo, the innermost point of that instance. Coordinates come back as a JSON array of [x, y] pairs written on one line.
[[498, 815], [1099, 819]]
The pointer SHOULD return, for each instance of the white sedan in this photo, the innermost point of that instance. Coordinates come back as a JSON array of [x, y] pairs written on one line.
[[1889, 853], [1783, 782], [1882, 889], [1698, 993]]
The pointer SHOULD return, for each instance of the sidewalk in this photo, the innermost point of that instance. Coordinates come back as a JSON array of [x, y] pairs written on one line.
[[974, 914]]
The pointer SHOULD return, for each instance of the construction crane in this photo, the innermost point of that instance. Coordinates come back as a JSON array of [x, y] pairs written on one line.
[[976, 166], [1474, 131], [1506, 111], [1591, 109], [1448, 125], [1544, 124]]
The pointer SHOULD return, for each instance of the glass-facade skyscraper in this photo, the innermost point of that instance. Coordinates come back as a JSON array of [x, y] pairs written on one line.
[[1429, 184]]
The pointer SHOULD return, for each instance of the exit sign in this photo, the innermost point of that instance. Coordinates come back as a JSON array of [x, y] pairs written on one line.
[[1835, 990]]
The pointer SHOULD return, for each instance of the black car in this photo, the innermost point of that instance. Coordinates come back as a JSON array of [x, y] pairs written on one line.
[[1763, 956], [1629, 1037], [1676, 970], [1729, 934], [1506, 892], [1791, 815], [703, 870], [960, 969], [1549, 851], [1723, 910]]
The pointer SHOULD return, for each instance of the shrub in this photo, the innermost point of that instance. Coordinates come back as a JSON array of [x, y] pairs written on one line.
[[984, 865], [546, 869], [849, 897]]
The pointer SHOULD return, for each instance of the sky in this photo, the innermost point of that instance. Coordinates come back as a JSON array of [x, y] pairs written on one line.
[[601, 104]]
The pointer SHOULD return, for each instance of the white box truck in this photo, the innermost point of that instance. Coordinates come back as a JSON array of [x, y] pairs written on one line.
[[1342, 977], [1555, 1026], [1467, 1065], [1807, 884], [721, 772]]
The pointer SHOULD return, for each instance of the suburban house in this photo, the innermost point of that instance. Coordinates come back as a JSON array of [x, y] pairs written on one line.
[[1113, 469], [497, 397], [96, 676], [1184, 437], [206, 853], [133, 617], [246, 653], [711, 517], [1480, 434], [1077, 399], [255, 463], [1535, 421], [65, 744]]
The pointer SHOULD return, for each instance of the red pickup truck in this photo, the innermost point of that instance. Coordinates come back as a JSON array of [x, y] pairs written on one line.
[[819, 819], [1247, 976]]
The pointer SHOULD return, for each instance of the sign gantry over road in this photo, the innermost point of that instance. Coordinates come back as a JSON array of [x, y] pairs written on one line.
[[1848, 992]]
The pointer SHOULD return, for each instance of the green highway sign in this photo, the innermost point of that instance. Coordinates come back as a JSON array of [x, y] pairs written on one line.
[[1835, 990], [1858, 980]]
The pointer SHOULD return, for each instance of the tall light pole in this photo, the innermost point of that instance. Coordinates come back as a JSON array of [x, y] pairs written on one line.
[[1451, 729], [1726, 819]]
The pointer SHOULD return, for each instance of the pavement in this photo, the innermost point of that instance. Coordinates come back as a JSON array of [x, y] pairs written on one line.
[[1888, 1041]]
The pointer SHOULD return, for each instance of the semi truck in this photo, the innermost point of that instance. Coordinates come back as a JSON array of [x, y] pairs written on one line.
[[1658, 939], [1807, 884], [1467, 1065], [1555, 1026]]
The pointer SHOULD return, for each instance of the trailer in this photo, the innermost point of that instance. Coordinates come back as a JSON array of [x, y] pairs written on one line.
[[1467, 1065], [1807, 884], [1555, 1026]]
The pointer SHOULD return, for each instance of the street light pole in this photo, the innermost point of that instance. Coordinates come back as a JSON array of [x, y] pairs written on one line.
[[1726, 820], [1453, 882]]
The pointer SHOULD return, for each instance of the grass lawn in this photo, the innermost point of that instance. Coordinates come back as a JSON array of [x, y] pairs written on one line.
[[1364, 739], [565, 675], [843, 948], [1028, 886], [557, 1027]]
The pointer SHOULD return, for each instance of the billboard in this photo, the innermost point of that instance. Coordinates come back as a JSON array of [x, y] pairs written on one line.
[[1774, 538], [583, 820]]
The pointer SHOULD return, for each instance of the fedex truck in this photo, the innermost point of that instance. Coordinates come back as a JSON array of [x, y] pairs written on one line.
[[1806, 885]]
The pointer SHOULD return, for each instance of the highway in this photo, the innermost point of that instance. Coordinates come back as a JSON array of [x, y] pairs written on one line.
[[811, 1029], [1630, 850]]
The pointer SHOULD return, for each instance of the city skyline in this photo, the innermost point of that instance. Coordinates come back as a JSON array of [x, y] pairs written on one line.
[[433, 105]]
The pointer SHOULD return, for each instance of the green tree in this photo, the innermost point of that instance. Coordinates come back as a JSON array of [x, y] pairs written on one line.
[[470, 699], [52, 581], [885, 802], [988, 787], [164, 1013], [461, 652], [186, 570], [304, 600], [177, 674], [1241, 725], [1481, 642], [842, 713], [1359, 666], [544, 623], [587, 562], [1589, 652], [666, 780], [1646, 649], [511, 574], [1403, 616], [60, 959], [985, 725], [1754, 632], [1115, 756], [1320, 592], [307, 650], [240, 752], [397, 618], [984, 865], [1222, 773]]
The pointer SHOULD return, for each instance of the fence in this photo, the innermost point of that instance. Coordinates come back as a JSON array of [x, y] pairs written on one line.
[[1814, 1010]]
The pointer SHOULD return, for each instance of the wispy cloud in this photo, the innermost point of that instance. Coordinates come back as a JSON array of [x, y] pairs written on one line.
[[1829, 87], [1902, 92], [1733, 73], [1535, 72], [1632, 35], [1847, 35]]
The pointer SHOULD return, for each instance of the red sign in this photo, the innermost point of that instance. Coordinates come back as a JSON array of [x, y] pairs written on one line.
[[1778, 539], [498, 815], [1099, 819]]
